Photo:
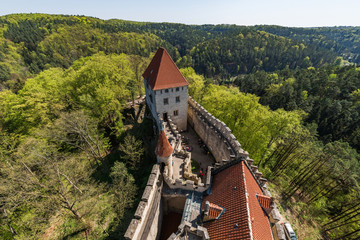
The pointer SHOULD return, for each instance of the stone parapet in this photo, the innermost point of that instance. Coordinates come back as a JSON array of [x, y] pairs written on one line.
[[148, 200], [228, 142], [186, 184], [219, 127]]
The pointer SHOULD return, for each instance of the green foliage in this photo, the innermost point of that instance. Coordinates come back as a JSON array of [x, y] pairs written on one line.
[[328, 95], [64, 81], [54, 136], [4, 73], [341, 40], [36, 104], [132, 150], [124, 187], [247, 117], [197, 83], [99, 86], [230, 55]]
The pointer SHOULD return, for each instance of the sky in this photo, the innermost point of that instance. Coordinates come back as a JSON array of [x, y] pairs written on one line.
[[292, 13]]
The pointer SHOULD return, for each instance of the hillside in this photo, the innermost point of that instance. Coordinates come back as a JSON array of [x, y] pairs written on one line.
[[45, 41], [344, 41], [74, 158]]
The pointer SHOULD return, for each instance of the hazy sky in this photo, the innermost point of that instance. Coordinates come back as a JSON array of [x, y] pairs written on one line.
[[297, 13]]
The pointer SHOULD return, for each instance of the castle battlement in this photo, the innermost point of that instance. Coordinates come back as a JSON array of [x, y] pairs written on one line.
[[174, 192]]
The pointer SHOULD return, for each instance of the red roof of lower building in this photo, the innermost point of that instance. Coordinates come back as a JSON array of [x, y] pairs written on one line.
[[260, 225], [162, 72], [235, 189], [163, 147]]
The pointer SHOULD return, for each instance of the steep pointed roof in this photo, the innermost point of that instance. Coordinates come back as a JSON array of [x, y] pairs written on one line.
[[163, 147], [163, 73]]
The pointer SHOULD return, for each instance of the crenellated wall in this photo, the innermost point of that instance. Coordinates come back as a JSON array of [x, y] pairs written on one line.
[[215, 134], [226, 150], [148, 216], [187, 184], [219, 139]]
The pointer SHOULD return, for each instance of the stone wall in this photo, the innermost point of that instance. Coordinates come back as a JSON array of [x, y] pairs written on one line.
[[227, 152], [191, 181], [187, 184], [173, 105], [219, 139], [215, 134], [150, 101], [148, 216]]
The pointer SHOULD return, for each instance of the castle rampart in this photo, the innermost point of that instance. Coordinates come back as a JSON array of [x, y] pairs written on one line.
[[216, 135], [148, 216], [226, 150]]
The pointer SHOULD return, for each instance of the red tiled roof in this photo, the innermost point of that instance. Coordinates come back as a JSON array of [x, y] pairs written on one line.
[[260, 224], [163, 73], [163, 147], [214, 211], [235, 189]]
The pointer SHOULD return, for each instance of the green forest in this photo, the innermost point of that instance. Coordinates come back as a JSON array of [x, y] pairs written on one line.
[[74, 158]]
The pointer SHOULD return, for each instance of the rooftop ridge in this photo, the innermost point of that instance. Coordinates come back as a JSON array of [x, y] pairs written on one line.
[[247, 201]]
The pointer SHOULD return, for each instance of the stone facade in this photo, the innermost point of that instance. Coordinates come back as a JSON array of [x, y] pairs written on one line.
[[168, 103]]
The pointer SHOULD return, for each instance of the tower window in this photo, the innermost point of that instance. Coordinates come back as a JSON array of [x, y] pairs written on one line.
[[177, 89], [178, 99], [166, 101], [176, 112], [151, 99], [166, 90]]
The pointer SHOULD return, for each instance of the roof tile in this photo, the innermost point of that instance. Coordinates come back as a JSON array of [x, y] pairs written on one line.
[[163, 147], [163, 73], [229, 188]]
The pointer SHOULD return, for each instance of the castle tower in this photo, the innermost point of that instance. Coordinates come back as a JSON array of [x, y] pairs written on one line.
[[166, 90], [164, 151]]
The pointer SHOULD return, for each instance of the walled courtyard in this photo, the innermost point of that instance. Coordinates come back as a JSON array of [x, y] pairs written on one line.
[[198, 153]]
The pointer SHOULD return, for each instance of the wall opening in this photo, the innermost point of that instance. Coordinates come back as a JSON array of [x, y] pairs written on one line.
[[173, 207], [165, 117]]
